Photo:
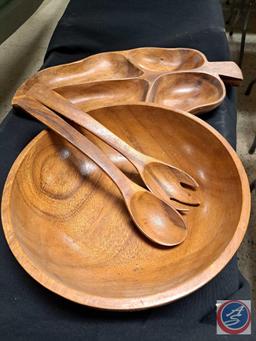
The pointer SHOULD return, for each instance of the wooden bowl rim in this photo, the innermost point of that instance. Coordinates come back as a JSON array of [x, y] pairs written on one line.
[[139, 303]]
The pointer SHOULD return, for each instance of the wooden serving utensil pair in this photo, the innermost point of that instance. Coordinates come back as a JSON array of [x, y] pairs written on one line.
[[154, 213]]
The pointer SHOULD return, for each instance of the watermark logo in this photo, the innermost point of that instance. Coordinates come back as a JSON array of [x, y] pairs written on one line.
[[234, 317]]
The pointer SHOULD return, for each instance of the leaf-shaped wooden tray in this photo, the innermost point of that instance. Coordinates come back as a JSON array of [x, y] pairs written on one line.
[[177, 78]]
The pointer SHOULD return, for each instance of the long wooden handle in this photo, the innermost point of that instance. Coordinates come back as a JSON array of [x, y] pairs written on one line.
[[64, 129], [54, 101], [229, 71]]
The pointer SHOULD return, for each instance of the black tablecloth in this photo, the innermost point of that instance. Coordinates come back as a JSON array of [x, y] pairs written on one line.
[[29, 311]]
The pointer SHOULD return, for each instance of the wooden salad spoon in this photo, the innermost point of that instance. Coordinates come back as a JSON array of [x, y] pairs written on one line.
[[156, 219], [164, 180]]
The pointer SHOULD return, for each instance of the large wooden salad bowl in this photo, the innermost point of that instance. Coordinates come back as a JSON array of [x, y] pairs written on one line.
[[66, 224]]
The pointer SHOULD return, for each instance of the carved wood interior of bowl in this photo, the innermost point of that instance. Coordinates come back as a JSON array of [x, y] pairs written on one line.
[[189, 91], [67, 225], [166, 60], [98, 94], [146, 65], [97, 67]]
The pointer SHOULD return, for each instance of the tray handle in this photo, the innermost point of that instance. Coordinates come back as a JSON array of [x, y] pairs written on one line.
[[229, 71]]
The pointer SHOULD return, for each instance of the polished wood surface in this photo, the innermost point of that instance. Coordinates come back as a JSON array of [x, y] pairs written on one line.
[[156, 219], [177, 78], [67, 225], [194, 92], [170, 183]]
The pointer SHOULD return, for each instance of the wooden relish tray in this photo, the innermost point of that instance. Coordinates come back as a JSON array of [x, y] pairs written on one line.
[[65, 220], [178, 78]]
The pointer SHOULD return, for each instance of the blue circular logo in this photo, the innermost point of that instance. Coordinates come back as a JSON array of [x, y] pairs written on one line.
[[233, 317]]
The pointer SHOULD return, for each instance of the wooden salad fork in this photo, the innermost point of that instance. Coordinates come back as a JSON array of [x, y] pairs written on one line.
[[166, 181], [156, 219]]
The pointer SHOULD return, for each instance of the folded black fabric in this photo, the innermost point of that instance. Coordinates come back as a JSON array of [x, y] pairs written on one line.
[[27, 310]]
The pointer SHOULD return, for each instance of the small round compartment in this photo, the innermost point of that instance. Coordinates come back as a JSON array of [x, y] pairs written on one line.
[[95, 95], [164, 60], [190, 91]]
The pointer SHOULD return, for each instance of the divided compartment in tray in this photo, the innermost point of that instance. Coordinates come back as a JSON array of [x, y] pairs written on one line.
[[98, 94], [189, 91], [98, 67], [166, 60]]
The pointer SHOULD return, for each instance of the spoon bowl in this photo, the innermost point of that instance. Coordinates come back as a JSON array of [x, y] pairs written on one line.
[[161, 224]]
